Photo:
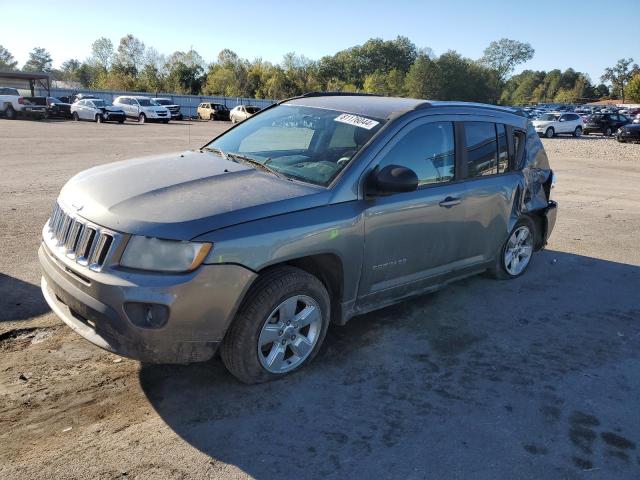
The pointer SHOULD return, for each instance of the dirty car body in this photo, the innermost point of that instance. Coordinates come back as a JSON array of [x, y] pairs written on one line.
[[298, 186]]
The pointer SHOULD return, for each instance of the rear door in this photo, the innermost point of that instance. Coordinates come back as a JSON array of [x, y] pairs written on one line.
[[491, 185]]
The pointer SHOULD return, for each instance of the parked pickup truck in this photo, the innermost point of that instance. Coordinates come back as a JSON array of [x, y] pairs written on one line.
[[13, 104]]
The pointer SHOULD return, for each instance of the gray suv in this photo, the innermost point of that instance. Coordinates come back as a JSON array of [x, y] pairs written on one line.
[[312, 211]]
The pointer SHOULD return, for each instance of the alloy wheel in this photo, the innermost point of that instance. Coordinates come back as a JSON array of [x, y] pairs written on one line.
[[289, 334], [518, 251]]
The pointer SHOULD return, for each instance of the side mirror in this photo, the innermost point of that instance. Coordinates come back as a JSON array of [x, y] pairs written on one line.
[[391, 179]]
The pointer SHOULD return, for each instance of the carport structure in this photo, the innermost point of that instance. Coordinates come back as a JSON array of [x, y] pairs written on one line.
[[43, 79]]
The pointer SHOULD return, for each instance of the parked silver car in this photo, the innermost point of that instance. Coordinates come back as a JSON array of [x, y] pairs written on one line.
[[96, 110], [142, 109], [316, 209]]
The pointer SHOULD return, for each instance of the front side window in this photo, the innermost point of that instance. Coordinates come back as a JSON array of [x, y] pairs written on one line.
[[296, 141], [482, 151], [428, 150]]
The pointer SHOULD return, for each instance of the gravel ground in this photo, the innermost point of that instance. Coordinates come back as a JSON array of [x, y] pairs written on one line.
[[532, 378]]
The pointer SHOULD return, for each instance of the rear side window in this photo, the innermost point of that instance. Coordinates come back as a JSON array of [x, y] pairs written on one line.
[[503, 148], [482, 148], [428, 150]]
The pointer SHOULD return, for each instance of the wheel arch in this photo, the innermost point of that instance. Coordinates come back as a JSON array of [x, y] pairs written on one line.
[[328, 268]]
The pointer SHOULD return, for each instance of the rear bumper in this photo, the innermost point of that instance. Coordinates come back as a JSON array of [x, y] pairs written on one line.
[[201, 305], [550, 214]]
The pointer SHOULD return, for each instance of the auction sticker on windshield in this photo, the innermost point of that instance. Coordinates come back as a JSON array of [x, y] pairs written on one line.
[[357, 121]]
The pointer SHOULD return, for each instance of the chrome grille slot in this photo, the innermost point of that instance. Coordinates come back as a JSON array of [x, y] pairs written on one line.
[[78, 239]]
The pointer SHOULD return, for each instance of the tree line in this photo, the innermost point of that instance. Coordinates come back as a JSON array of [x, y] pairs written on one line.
[[389, 67]]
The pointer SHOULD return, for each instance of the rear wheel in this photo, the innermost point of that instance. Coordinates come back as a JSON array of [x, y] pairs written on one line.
[[142, 118], [608, 132], [550, 132], [75, 116], [517, 252], [212, 117], [279, 327], [577, 132], [10, 113], [99, 118]]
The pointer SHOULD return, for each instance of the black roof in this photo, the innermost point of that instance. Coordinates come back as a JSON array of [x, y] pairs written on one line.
[[379, 106]]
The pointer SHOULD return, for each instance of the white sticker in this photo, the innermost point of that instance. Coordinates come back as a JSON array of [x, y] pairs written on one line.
[[357, 121]]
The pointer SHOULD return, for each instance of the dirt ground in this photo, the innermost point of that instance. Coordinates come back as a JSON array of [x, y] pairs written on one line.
[[528, 379]]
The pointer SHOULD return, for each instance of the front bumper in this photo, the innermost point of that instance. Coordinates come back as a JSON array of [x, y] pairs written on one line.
[[201, 306]]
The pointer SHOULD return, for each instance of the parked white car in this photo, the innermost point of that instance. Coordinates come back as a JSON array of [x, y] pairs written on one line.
[[242, 112], [142, 108], [555, 123], [96, 110]]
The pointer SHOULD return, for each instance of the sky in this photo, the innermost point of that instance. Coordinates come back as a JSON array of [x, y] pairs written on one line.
[[561, 34]]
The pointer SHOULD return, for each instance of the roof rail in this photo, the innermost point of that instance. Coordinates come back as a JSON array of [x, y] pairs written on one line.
[[338, 94]]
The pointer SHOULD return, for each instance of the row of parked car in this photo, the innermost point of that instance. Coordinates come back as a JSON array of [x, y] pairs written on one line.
[[92, 108], [556, 123]]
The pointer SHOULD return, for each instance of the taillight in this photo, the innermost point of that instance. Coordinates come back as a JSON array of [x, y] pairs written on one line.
[[21, 100]]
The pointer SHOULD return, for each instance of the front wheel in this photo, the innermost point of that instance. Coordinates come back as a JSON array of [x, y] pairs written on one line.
[[279, 327], [75, 117], [517, 252], [608, 132], [10, 113], [577, 132], [99, 118], [142, 118], [549, 133]]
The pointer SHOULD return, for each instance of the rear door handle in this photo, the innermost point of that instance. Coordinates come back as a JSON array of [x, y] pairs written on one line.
[[450, 202]]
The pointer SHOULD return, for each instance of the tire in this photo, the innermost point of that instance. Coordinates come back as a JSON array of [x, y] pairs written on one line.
[[212, 117], [244, 351], [550, 132], [142, 118], [504, 271], [608, 132], [165, 121], [99, 119], [121, 120], [577, 132], [75, 117], [10, 113]]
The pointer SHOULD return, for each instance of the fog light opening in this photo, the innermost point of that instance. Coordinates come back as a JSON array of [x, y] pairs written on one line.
[[147, 315]]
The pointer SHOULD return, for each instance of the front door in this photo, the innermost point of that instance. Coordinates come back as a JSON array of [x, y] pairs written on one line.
[[413, 239]]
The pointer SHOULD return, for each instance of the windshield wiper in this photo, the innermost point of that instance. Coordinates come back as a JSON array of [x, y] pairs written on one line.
[[243, 158], [239, 158], [217, 151]]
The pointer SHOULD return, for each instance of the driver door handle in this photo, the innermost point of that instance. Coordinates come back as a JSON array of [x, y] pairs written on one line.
[[450, 202]]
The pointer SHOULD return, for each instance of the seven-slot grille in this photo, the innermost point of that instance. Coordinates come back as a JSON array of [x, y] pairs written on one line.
[[77, 239]]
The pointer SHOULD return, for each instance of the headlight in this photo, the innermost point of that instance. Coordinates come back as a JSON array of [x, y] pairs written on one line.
[[146, 253]]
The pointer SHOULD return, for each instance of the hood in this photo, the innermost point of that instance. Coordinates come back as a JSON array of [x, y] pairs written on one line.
[[181, 196]]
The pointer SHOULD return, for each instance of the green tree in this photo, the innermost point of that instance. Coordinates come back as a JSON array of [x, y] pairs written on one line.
[[7, 62], [102, 52], [70, 69], [423, 79], [505, 54], [130, 55], [619, 75], [633, 88], [39, 61]]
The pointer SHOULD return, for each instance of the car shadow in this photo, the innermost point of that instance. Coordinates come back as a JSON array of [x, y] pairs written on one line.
[[464, 380], [20, 300]]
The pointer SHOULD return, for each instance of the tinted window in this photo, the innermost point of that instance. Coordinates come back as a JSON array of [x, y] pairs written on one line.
[[624, 119], [503, 148], [428, 150], [572, 116], [482, 151]]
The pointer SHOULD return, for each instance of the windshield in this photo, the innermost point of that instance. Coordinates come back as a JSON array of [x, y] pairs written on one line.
[[147, 102], [549, 117], [304, 143], [252, 109], [163, 102], [101, 103]]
